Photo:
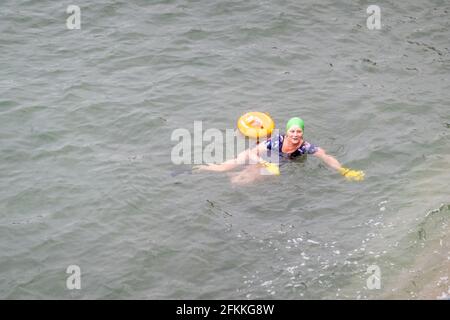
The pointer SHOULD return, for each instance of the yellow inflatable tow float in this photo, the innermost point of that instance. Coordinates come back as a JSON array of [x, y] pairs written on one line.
[[256, 124]]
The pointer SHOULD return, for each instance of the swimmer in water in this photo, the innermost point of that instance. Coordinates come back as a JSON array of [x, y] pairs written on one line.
[[288, 146]]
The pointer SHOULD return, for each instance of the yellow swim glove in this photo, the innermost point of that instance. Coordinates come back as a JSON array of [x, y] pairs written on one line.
[[271, 167], [353, 175]]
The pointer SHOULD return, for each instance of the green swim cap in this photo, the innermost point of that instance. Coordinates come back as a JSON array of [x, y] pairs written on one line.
[[295, 122]]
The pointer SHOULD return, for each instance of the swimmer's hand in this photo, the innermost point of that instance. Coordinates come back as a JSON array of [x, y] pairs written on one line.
[[199, 168], [352, 175], [272, 168]]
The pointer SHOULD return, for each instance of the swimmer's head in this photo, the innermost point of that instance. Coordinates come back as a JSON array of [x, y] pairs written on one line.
[[295, 122]]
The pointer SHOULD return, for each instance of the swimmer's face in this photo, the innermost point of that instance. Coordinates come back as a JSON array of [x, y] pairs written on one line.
[[295, 133]]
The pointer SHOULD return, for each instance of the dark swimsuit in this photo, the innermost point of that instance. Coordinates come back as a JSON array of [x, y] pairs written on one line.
[[276, 143]]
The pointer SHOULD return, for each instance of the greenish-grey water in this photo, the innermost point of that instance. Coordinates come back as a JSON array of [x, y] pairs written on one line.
[[86, 118]]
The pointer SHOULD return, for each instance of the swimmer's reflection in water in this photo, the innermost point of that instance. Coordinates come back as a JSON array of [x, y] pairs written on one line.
[[288, 146]]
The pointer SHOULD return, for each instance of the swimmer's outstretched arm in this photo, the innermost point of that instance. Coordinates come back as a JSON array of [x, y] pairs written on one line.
[[245, 157], [329, 160], [333, 163]]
